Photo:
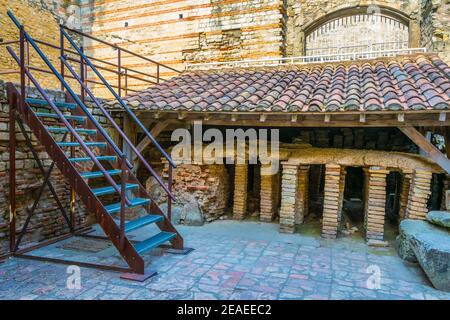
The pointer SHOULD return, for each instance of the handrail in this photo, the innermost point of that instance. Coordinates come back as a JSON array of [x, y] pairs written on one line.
[[53, 106], [118, 98], [66, 86], [115, 125], [119, 48], [120, 70]]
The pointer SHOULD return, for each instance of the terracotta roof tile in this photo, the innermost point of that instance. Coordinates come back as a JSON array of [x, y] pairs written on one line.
[[414, 82]]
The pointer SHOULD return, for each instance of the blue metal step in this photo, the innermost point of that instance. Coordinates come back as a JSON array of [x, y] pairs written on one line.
[[154, 241], [98, 174], [108, 190], [41, 103], [99, 158], [64, 129], [141, 222], [115, 207], [77, 144], [55, 116]]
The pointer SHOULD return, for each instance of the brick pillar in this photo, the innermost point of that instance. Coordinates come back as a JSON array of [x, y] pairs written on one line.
[[267, 194], [240, 191], [404, 193], [331, 201], [341, 194], [419, 193], [376, 203], [288, 197], [302, 194]]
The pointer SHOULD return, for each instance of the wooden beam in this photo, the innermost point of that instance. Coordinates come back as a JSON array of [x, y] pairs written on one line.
[[156, 130], [446, 133], [320, 123], [181, 115], [362, 117], [427, 146], [294, 118], [262, 117]]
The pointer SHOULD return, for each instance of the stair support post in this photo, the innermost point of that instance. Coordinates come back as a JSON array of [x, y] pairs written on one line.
[[169, 200], [12, 169], [123, 164]]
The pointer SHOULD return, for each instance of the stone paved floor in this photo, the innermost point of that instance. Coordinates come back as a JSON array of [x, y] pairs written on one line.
[[232, 260]]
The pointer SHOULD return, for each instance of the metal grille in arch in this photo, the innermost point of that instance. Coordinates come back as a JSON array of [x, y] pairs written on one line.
[[357, 33]]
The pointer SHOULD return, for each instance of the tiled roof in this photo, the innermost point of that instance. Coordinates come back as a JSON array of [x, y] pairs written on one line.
[[418, 82]]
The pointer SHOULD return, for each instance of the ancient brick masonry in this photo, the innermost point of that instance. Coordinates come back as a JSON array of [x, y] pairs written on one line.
[[419, 193], [376, 203], [404, 193], [240, 191], [269, 194], [288, 197], [331, 201], [207, 184], [341, 194]]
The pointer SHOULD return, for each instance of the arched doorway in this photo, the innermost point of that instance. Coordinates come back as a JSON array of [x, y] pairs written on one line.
[[361, 29]]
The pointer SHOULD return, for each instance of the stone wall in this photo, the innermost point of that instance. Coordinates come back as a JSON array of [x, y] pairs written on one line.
[[301, 14], [435, 27]]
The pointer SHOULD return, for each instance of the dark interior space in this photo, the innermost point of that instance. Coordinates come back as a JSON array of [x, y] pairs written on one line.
[[353, 204], [316, 189], [393, 185], [253, 189]]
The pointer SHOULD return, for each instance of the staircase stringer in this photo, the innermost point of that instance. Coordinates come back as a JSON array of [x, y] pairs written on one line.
[[153, 207], [72, 176]]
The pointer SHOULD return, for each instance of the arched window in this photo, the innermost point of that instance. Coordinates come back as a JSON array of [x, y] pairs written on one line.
[[357, 32]]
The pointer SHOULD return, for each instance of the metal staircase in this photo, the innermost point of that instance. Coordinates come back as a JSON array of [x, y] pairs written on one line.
[[96, 169]]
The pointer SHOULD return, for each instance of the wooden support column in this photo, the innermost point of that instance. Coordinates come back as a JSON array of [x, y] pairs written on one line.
[[404, 193], [268, 194], [129, 128], [302, 194], [288, 197], [376, 203], [331, 201], [419, 192], [240, 191]]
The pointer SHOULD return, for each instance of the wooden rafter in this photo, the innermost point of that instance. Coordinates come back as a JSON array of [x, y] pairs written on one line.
[[427, 146], [155, 131]]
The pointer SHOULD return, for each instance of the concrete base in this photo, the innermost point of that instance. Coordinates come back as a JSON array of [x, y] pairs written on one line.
[[138, 277], [183, 251]]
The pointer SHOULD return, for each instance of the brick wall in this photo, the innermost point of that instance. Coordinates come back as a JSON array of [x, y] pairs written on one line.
[[178, 31], [41, 23]]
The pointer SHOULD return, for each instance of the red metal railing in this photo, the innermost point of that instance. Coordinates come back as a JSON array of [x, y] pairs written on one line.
[[123, 75]]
